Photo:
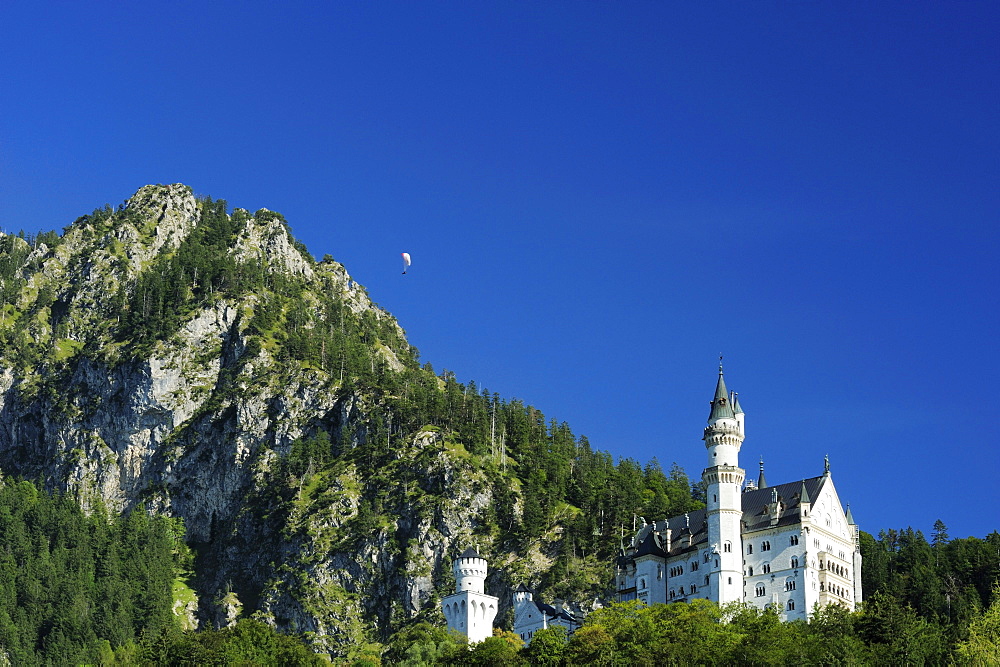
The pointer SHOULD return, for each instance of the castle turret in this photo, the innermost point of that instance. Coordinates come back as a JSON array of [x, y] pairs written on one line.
[[470, 572], [723, 479], [469, 610]]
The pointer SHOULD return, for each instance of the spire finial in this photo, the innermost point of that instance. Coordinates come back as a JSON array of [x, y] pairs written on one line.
[[826, 464], [761, 482], [720, 363]]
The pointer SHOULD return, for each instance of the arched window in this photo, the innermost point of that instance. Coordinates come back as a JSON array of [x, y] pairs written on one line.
[[795, 561], [761, 591], [791, 605], [727, 547], [750, 571]]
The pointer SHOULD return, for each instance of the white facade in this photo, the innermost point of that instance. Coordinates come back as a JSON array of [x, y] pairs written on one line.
[[530, 616], [791, 546], [469, 610]]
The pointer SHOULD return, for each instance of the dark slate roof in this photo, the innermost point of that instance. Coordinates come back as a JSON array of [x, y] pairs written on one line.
[[721, 409], [756, 503], [523, 589], [470, 553], [689, 532], [649, 544], [551, 612]]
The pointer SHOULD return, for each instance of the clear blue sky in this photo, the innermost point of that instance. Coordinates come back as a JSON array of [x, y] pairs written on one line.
[[599, 198]]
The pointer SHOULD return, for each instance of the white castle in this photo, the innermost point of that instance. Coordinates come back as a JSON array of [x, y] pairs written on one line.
[[469, 610], [791, 546]]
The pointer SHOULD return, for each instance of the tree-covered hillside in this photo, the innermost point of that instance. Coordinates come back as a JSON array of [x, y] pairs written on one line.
[[169, 362], [173, 357]]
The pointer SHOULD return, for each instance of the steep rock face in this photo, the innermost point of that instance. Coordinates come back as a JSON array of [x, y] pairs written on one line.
[[198, 424]]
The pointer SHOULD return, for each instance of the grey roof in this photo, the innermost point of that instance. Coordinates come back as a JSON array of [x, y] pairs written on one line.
[[756, 504], [761, 482], [850, 517], [470, 553], [736, 404], [689, 533], [523, 589], [721, 409], [649, 545], [551, 612]]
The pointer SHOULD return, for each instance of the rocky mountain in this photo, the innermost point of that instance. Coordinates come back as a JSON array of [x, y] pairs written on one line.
[[173, 357]]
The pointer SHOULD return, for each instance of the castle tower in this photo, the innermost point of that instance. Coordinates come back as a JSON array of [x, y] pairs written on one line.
[[469, 610], [724, 480]]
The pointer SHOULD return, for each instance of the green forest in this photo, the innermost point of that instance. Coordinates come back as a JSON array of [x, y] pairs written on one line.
[[94, 589], [98, 588]]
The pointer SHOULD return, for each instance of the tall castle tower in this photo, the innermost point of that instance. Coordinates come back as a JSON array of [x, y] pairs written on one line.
[[724, 481], [469, 610]]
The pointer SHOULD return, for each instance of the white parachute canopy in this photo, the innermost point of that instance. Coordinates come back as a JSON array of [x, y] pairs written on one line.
[[406, 260]]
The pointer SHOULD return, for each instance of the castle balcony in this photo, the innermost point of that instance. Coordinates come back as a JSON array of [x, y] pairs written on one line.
[[724, 474]]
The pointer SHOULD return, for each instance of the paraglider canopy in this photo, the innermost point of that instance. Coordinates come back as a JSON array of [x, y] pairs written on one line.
[[406, 260]]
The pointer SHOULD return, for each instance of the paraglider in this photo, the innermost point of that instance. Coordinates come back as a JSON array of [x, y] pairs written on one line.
[[406, 261]]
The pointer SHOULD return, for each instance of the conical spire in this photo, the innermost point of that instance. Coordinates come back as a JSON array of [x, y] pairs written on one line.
[[761, 482], [721, 409], [850, 517], [736, 404], [804, 494]]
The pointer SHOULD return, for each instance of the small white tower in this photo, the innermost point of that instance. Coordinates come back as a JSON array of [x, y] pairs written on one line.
[[469, 610], [724, 480]]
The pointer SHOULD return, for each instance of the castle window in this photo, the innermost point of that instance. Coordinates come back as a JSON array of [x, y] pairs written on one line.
[[694, 566], [749, 549], [694, 589], [659, 571], [727, 547], [795, 561], [761, 591], [791, 605], [707, 556], [681, 592], [671, 594], [793, 540], [789, 585], [730, 580], [750, 571], [706, 580], [765, 546], [766, 568]]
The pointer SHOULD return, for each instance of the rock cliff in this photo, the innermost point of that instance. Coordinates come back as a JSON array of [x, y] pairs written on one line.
[[138, 374]]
